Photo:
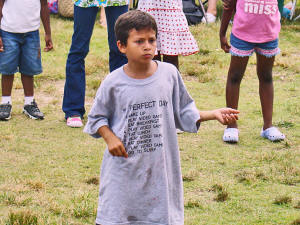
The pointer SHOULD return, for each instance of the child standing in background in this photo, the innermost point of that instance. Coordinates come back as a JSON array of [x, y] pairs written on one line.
[[256, 27], [20, 50], [173, 37]]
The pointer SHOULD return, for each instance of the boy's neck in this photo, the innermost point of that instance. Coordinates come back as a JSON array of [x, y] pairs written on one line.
[[140, 71]]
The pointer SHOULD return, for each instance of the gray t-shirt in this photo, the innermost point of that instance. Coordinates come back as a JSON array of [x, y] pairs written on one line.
[[145, 188]]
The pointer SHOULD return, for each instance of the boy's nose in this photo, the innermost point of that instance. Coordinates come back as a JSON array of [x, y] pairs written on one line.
[[147, 45]]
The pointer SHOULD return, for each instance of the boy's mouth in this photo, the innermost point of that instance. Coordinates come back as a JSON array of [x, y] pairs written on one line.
[[147, 55]]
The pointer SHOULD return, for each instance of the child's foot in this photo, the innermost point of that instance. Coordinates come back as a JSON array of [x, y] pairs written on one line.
[[210, 18], [74, 121], [178, 131], [32, 111], [5, 111], [273, 134], [231, 135]]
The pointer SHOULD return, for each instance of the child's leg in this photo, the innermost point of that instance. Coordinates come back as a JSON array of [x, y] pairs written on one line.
[[6, 84], [235, 74], [27, 82], [30, 107], [173, 59], [157, 57], [266, 91]]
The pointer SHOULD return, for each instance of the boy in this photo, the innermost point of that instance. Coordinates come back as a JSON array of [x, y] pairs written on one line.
[[20, 50], [137, 110]]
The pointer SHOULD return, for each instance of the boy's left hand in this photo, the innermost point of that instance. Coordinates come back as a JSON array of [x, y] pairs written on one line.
[[49, 45], [226, 115]]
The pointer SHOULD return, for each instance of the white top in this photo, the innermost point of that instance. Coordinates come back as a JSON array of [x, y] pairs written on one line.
[[21, 16]]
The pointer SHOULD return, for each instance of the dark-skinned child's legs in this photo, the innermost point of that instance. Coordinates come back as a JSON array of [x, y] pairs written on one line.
[[266, 90], [30, 107], [28, 83], [235, 75], [173, 59], [5, 106], [157, 57], [6, 84]]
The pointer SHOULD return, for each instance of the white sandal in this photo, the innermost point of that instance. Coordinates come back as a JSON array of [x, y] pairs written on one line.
[[231, 135], [273, 134]]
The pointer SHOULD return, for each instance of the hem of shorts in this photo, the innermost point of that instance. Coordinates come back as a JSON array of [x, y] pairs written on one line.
[[8, 74], [235, 54], [31, 74], [268, 55]]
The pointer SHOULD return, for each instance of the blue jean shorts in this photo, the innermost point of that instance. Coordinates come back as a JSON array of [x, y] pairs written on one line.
[[22, 53], [243, 48]]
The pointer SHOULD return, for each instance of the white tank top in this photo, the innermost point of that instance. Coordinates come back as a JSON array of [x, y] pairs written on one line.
[[21, 16]]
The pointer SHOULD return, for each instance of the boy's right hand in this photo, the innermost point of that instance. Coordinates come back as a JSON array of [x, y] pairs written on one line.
[[114, 144], [224, 44], [116, 147], [1, 45]]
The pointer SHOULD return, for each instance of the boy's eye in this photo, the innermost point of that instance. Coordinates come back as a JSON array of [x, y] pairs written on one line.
[[152, 41], [139, 42]]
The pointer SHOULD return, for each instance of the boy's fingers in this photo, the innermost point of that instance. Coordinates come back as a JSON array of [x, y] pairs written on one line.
[[123, 151]]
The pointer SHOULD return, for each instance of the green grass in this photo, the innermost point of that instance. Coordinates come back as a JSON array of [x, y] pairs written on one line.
[[49, 173]]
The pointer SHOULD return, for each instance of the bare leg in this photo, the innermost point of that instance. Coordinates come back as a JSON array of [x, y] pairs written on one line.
[[235, 74], [173, 59], [157, 57], [266, 90], [27, 82], [6, 84], [212, 7], [102, 17]]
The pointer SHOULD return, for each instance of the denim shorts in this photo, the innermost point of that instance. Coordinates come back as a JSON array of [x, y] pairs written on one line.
[[243, 48], [22, 53]]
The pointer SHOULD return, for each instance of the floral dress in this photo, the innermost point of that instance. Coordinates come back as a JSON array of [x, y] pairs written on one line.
[[174, 37]]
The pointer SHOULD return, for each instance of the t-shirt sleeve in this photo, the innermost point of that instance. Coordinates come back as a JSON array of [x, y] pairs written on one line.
[[100, 112], [185, 111]]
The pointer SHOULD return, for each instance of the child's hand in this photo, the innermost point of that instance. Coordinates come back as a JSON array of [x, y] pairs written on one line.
[[116, 147], [1, 45], [114, 144], [226, 116], [49, 45], [224, 44]]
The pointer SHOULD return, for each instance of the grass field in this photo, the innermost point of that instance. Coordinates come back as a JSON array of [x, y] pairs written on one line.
[[49, 173]]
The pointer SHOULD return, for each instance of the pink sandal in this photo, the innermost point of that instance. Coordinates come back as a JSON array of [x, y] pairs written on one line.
[[74, 121]]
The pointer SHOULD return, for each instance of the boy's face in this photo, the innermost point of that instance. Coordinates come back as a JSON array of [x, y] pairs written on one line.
[[141, 46]]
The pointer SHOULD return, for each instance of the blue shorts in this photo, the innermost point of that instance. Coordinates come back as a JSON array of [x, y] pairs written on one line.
[[22, 53], [243, 48]]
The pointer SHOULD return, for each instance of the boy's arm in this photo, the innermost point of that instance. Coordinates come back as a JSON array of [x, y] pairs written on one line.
[[1, 6], [114, 144], [228, 8], [45, 16], [224, 116]]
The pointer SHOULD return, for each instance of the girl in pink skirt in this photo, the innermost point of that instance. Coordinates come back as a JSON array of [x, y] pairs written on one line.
[[173, 37]]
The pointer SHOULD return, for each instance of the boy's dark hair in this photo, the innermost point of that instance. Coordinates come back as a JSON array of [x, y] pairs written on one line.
[[134, 19]]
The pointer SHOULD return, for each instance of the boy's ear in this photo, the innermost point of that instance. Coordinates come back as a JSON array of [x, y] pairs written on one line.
[[121, 47]]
